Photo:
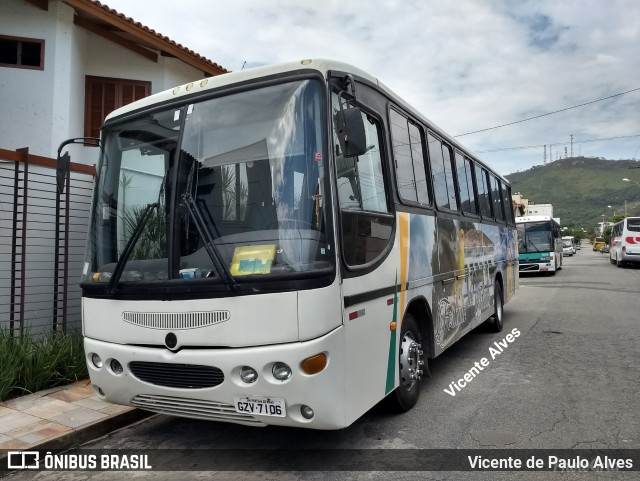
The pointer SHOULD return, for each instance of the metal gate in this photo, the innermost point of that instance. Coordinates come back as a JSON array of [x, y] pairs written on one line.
[[42, 238]]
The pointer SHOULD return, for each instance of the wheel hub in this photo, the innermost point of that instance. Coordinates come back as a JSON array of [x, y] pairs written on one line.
[[411, 363]]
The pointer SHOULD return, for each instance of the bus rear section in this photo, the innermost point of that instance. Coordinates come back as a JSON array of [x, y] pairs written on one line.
[[625, 242], [539, 244]]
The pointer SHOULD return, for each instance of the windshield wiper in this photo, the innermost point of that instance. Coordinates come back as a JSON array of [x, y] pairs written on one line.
[[128, 249], [533, 244], [207, 238]]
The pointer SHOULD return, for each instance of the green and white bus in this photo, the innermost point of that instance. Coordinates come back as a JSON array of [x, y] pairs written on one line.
[[287, 245], [539, 244]]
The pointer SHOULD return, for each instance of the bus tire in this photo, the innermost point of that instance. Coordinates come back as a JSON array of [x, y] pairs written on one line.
[[411, 367], [498, 304]]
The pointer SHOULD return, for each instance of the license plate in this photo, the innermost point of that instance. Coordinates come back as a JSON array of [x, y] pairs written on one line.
[[261, 406]]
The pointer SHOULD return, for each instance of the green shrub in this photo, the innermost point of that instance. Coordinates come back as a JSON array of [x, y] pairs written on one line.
[[29, 364]]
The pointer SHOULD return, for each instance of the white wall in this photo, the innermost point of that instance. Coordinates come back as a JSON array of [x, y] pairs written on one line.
[[40, 109], [26, 107]]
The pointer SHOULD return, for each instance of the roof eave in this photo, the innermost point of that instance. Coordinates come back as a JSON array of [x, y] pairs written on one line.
[[146, 35]]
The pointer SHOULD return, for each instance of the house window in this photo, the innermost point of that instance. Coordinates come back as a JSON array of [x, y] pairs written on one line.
[[21, 52], [104, 95]]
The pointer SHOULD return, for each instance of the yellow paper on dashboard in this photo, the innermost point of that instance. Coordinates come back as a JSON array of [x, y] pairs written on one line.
[[256, 259]]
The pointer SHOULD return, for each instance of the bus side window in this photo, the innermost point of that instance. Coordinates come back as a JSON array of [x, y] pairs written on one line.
[[465, 184], [411, 173], [483, 192], [365, 216], [496, 197], [506, 202], [442, 173]]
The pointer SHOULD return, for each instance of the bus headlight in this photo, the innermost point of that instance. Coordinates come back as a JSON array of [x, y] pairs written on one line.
[[97, 362], [116, 367], [281, 371], [248, 375]]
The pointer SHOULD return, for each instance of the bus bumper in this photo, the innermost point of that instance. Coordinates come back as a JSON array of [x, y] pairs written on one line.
[[178, 383]]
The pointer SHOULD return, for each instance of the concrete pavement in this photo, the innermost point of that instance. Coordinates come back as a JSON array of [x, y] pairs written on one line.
[[61, 418]]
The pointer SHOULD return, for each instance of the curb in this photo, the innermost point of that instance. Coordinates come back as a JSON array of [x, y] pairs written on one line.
[[95, 430], [88, 432]]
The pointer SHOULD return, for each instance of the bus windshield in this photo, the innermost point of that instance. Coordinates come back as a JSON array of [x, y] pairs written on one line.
[[534, 237], [227, 189]]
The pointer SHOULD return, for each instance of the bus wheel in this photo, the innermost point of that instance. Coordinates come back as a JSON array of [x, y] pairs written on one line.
[[410, 367], [498, 316], [618, 262]]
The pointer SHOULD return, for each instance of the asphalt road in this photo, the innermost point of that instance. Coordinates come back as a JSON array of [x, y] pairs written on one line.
[[570, 380]]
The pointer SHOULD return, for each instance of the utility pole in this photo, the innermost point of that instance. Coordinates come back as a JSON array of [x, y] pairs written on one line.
[[544, 162], [565, 152], [571, 145]]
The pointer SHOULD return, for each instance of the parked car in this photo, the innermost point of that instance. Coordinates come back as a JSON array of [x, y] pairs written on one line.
[[604, 249]]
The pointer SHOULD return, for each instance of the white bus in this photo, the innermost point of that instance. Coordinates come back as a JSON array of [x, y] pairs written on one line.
[[287, 245], [568, 245], [540, 247], [625, 242]]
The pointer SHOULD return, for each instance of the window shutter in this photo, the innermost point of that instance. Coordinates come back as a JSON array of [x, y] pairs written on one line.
[[104, 95]]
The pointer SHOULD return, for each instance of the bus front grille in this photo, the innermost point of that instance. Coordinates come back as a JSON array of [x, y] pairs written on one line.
[[186, 376], [175, 320], [193, 408], [529, 267]]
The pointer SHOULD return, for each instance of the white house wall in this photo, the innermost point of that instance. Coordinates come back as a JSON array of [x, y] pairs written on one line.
[[25, 94], [40, 109]]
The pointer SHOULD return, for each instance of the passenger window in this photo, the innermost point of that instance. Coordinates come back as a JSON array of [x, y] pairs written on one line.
[[496, 197], [465, 184], [408, 153], [441, 171], [483, 192], [507, 204]]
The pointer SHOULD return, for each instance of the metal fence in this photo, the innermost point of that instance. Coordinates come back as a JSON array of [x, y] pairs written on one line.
[[42, 237]]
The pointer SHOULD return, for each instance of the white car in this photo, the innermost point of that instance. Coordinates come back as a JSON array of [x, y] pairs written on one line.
[[567, 249]]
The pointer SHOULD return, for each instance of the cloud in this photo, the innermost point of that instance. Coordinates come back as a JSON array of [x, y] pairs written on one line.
[[466, 65]]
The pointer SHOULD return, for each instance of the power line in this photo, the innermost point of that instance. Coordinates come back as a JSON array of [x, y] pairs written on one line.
[[549, 113], [556, 144]]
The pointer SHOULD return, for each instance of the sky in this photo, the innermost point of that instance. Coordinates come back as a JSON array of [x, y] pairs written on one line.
[[467, 65]]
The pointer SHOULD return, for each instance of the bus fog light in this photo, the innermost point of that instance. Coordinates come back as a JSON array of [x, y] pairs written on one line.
[[248, 374], [281, 371], [116, 367], [97, 362], [306, 412], [314, 364]]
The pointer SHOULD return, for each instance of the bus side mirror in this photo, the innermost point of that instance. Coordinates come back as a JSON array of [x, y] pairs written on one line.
[[62, 167], [350, 131], [62, 161]]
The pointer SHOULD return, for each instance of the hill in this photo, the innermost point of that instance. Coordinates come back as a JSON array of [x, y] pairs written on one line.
[[582, 188]]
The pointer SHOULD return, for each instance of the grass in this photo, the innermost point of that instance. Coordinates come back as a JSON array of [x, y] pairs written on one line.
[[29, 364]]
